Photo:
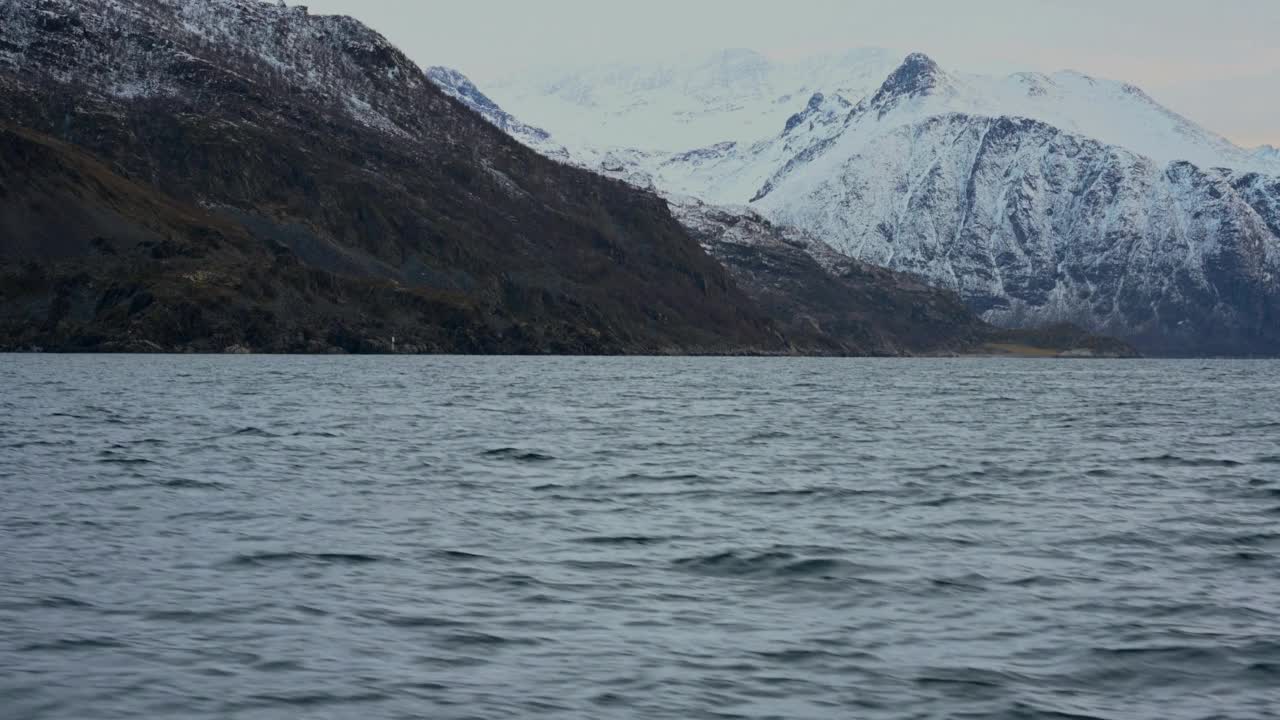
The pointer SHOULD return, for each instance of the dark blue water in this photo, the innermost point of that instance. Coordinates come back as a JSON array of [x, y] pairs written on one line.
[[249, 537]]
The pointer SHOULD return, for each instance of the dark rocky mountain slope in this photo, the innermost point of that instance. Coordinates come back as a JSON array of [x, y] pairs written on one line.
[[286, 146]]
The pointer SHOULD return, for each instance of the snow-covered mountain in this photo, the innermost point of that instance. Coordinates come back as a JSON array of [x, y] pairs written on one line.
[[1040, 198], [1034, 225]]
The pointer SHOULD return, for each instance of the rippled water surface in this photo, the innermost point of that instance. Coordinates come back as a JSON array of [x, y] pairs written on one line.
[[254, 537]]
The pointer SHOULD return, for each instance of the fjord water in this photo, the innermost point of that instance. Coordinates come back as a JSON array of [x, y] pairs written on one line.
[[273, 537]]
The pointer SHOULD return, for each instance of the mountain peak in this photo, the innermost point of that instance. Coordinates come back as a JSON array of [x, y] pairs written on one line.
[[920, 60], [918, 75]]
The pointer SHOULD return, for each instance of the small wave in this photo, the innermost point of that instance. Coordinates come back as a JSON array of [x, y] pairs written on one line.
[[174, 484], [192, 484], [219, 515], [1246, 538], [252, 431], [480, 638], [49, 601], [941, 501], [641, 477], [515, 580], [765, 436], [116, 487], [1179, 461], [798, 656], [970, 677], [198, 616], [413, 621], [258, 559], [462, 555], [973, 582], [111, 457], [621, 540], [274, 666], [318, 699], [38, 443], [1042, 581], [1268, 669], [607, 565], [509, 453], [1249, 556], [1026, 711], [64, 602], [71, 644], [788, 492], [1176, 653], [768, 564]]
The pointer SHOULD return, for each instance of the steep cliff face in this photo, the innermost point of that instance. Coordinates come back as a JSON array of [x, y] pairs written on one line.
[[315, 140]]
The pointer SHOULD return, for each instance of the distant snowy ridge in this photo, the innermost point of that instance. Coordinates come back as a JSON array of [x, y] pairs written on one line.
[[744, 97], [1268, 154], [732, 95]]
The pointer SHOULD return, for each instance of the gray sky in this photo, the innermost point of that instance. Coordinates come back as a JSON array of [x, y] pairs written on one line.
[[1216, 61]]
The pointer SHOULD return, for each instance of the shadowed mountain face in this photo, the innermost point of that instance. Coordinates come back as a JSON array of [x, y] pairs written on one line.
[[287, 182]]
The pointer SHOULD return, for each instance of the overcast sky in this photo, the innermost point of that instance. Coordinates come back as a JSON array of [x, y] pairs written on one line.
[[1216, 61]]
